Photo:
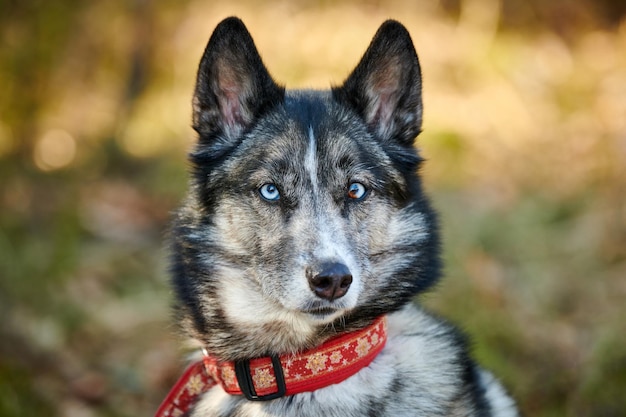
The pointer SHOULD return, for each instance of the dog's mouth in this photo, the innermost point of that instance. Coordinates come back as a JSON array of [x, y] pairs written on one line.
[[322, 313]]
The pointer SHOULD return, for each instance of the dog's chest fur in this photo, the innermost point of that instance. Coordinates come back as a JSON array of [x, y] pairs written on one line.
[[416, 374]]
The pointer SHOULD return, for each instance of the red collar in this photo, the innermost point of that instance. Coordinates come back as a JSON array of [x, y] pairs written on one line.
[[267, 378]]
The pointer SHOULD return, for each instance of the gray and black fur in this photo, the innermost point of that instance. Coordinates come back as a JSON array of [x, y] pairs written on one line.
[[306, 218]]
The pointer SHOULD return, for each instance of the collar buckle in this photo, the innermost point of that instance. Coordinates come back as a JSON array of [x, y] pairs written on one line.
[[246, 383]]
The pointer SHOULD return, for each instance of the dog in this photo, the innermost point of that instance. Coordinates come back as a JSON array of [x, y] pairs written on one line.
[[304, 238]]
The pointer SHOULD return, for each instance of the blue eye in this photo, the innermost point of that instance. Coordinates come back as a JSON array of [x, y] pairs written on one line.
[[269, 192], [357, 191]]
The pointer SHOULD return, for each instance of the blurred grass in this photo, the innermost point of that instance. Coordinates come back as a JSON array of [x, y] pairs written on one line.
[[525, 136]]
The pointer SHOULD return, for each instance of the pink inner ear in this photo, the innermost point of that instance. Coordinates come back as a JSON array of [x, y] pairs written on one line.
[[383, 94], [383, 105], [231, 108], [232, 90]]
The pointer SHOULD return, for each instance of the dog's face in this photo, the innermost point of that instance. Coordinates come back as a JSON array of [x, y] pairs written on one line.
[[305, 209]]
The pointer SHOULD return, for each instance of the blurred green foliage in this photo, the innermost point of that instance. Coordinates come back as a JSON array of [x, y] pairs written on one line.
[[525, 137]]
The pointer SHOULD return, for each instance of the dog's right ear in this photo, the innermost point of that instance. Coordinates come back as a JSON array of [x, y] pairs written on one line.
[[233, 88], [385, 88]]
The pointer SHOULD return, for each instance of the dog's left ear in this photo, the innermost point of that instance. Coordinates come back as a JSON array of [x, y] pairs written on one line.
[[385, 88], [233, 88]]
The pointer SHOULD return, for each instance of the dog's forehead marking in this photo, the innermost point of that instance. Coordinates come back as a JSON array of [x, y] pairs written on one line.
[[310, 160]]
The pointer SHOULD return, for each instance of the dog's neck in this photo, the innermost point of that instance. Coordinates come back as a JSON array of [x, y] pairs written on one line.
[[267, 378], [229, 341]]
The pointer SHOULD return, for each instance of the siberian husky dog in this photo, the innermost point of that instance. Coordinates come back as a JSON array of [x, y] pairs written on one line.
[[305, 236]]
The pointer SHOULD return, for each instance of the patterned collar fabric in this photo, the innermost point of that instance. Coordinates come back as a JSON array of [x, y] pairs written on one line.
[[332, 362]]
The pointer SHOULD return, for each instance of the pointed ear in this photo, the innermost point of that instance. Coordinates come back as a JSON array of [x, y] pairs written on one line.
[[233, 87], [385, 88]]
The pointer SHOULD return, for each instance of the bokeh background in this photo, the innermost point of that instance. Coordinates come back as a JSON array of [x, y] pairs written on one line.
[[525, 136]]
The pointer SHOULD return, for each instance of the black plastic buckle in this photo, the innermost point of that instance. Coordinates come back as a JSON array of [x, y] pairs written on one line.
[[242, 372]]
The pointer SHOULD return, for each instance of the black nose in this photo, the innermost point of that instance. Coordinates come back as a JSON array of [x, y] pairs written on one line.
[[332, 282]]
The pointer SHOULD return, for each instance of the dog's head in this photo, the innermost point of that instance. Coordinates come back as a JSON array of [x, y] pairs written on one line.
[[305, 213]]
